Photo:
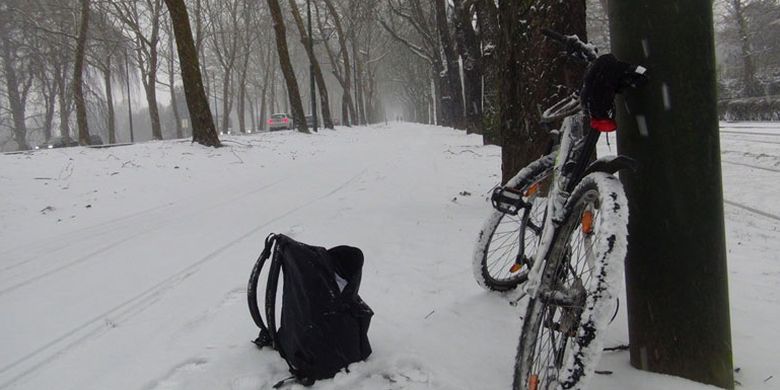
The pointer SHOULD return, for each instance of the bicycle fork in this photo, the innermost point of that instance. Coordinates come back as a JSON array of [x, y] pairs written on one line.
[[548, 232]]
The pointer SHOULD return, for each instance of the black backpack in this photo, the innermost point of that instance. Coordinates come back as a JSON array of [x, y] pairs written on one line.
[[324, 323]]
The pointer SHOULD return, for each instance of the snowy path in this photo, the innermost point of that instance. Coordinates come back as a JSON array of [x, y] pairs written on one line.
[[125, 268]]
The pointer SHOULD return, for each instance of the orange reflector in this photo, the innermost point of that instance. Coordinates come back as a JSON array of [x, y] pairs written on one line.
[[587, 222], [533, 382], [515, 267], [533, 189]]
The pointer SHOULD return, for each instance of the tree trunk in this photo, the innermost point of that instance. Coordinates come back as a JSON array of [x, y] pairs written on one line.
[[487, 23], [227, 99], [525, 55], [360, 105], [267, 79], [272, 101], [294, 96], [111, 120], [344, 109], [264, 94], [469, 49], [241, 108], [676, 273], [242, 95], [78, 72], [150, 79], [452, 92], [263, 110], [327, 120], [439, 102], [252, 117], [51, 101], [129, 100], [64, 105], [15, 99], [172, 83], [203, 131], [345, 57], [374, 114], [151, 99]]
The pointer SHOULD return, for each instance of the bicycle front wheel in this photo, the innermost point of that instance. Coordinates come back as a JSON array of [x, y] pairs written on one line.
[[506, 241], [564, 325]]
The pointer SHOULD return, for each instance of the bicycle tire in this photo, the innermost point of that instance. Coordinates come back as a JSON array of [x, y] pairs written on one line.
[[496, 250], [560, 345]]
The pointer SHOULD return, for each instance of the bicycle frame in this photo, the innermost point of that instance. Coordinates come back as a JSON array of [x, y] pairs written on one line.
[[577, 144]]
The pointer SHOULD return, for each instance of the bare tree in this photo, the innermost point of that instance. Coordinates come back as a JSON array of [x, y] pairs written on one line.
[[452, 93], [224, 24], [106, 55], [410, 81], [750, 27], [413, 24], [376, 49], [16, 68], [78, 74], [246, 43], [266, 85], [287, 69], [323, 89], [143, 20], [203, 130], [345, 78], [469, 49], [169, 55]]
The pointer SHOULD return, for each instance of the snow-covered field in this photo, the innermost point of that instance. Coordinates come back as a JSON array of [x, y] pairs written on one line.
[[125, 268]]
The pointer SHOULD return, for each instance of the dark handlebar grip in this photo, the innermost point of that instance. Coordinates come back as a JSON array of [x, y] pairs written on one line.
[[554, 35], [573, 45]]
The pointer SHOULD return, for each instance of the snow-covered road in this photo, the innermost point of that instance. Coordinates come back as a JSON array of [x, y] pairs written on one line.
[[125, 268]]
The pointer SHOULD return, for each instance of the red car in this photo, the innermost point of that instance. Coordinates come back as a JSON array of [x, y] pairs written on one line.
[[280, 121]]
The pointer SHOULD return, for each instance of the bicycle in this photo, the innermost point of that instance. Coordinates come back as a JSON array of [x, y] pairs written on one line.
[[510, 236], [573, 271]]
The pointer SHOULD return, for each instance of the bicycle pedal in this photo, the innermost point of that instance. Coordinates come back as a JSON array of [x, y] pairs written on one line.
[[508, 200]]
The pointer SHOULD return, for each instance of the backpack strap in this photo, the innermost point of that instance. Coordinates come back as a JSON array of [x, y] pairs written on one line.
[[305, 381], [270, 294], [267, 333], [267, 336]]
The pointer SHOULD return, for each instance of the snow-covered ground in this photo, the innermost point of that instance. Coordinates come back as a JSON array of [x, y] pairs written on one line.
[[125, 268]]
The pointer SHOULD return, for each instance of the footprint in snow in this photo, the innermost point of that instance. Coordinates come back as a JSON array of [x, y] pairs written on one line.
[[401, 373]]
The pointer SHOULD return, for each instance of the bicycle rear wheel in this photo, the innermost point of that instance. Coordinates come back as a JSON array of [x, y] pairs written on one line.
[[506, 242], [564, 325]]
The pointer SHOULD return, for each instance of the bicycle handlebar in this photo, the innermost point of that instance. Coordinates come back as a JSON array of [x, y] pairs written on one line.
[[574, 46]]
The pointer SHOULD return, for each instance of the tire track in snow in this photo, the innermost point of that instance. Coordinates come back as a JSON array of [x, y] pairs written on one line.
[[104, 249], [750, 133], [750, 166], [69, 238], [752, 210], [65, 266], [104, 322], [115, 225], [754, 141]]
